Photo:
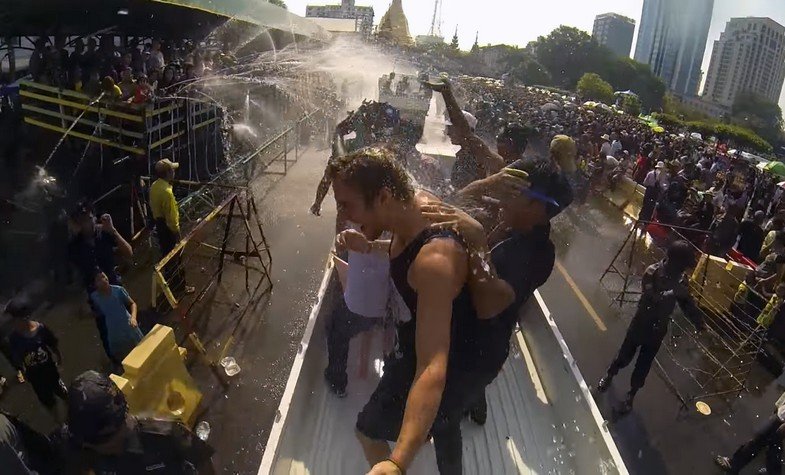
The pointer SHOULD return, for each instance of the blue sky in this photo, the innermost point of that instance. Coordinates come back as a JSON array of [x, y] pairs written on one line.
[[519, 21]]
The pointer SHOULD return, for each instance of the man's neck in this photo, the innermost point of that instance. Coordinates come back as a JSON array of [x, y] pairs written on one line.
[[407, 221]]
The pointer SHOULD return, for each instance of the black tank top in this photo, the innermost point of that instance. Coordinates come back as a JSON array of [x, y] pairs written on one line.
[[463, 347]]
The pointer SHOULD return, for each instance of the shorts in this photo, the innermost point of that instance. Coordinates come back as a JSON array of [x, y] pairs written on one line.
[[382, 416], [47, 387]]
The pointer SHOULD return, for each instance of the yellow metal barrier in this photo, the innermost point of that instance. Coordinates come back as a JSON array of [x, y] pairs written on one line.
[[716, 280], [82, 136], [156, 381]]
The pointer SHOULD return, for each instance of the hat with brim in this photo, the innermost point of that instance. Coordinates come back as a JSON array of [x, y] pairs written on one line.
[[660, 165], [165, 165], [605, 137]]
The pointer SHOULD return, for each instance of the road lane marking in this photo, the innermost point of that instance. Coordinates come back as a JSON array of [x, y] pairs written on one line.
[[539, 388], [582, 298]]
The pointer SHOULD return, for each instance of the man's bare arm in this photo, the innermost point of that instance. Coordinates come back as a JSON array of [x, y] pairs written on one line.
[[491, 161], [438, 274]]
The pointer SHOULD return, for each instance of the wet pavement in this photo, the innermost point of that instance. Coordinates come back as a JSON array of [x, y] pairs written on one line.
[[657, 437]]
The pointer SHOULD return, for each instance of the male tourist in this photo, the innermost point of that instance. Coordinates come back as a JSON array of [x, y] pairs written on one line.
[[103, 438], [664, 284], [433, 374], [166, 216], [94, 247]]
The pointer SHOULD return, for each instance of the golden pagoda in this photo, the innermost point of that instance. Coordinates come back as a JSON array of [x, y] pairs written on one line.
[[394, 25]]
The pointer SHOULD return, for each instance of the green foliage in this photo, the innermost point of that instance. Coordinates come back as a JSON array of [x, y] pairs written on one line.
[[671, 105], [454, 44], [631, 105], [279, 3], [567, 53], [524, 67], [740, 136], [755, 112], [592, 86]]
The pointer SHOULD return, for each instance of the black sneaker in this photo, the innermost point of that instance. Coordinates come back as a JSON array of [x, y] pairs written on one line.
[[723, 463], [479, 412], [603, 384], [338, 389]]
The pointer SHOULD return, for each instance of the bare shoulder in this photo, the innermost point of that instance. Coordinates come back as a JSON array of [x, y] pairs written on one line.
[[441, 262]]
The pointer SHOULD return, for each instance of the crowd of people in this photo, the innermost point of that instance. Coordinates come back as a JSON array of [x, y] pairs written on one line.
[[455, 247], [134, 73], [99, 435]]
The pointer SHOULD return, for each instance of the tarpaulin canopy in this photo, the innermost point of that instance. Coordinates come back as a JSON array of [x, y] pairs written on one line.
[[164, 18]]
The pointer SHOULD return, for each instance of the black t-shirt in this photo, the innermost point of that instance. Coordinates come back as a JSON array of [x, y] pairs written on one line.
[[751, 238], [154, 447], [463, 343], [99, 252], [33, 354], [525, 261]]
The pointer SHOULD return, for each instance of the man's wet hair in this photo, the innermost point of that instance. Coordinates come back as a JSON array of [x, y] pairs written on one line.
[[518, 134], [681, 253], [20, 307], [372, 168], [82, 208]]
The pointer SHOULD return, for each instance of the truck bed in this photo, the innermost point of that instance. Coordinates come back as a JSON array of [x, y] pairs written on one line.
[[541, 418]]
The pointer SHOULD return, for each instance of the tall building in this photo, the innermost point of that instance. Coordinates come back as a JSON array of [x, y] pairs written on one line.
[[615, 32], [347, 10], [748, 57], [672, 40]]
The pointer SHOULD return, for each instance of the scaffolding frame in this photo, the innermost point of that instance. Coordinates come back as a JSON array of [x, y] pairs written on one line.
[[238, 207], [732, 341]]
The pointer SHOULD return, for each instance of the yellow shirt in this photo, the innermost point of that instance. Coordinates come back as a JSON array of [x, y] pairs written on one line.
[[163, 204]]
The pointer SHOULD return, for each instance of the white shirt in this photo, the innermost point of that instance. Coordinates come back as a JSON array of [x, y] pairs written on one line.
[[605, 149], [656, 177], [156, 60], [616, 147]]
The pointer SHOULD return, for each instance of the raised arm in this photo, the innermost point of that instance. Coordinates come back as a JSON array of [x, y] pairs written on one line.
[[491, 161], [438, 274]]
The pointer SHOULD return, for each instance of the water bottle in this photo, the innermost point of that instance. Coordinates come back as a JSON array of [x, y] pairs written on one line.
[[203, 430]]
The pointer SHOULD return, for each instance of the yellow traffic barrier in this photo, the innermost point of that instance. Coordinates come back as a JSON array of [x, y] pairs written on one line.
[[628, 196], [156, 381], [715, 282]]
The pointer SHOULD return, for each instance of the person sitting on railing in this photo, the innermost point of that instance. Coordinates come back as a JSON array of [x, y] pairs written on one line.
[[75, 79], [93, 85], [37, 65], [143, 91], [127, 84], [111, 91]]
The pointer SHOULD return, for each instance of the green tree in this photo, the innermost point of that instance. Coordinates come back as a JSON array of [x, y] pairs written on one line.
[[758, 114], [279, 3], [523, 66], [567, 53], [454, 43], [631, 105], [476, 45], [592, 86]]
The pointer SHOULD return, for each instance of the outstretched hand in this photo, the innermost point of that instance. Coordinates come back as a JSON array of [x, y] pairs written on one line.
[[444, 216]]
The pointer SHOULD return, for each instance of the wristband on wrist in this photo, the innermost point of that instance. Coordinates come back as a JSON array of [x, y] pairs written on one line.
[[402, 471]]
